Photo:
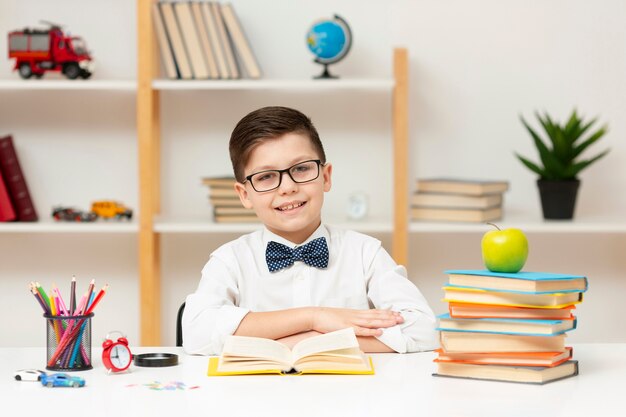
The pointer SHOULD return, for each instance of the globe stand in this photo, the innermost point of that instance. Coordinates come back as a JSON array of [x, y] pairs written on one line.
[[326, 75]]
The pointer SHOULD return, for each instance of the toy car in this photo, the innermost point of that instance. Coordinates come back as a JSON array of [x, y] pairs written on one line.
[[28, 375], [111, 209], [62, 380], [72, 215]]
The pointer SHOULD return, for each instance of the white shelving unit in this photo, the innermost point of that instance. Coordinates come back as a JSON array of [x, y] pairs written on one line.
[[63, 85], [363, 84], [45, 226]]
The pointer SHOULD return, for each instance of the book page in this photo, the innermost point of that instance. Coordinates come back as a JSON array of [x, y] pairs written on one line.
[[341, 339], [255, 348]]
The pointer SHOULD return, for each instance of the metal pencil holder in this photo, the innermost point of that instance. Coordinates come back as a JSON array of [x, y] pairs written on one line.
[[68, 343]]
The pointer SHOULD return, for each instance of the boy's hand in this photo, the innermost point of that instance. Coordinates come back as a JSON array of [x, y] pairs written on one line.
[[364, 322]]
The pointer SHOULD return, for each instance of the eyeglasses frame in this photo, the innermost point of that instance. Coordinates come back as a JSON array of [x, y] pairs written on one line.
[[286, 170]]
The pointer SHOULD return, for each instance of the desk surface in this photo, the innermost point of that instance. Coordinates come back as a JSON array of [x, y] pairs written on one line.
[[402, 386]]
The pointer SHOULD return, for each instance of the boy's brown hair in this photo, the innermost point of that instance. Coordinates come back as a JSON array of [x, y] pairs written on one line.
[[264, 124]]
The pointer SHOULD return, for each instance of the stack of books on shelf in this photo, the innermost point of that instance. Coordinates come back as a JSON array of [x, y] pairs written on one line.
[[458, 200], [15, 201], [226, 205], [202, 40], [508, 326]]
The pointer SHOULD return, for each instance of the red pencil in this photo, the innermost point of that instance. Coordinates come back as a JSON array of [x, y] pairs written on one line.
[[96, 300]]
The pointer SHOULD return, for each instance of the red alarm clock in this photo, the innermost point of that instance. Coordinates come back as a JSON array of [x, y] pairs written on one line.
[[116, 356]]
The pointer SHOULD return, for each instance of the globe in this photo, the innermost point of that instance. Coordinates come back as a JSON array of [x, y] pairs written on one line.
[[330, 41]]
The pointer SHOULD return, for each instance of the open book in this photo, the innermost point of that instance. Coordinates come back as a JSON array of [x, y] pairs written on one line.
[[331, 353]]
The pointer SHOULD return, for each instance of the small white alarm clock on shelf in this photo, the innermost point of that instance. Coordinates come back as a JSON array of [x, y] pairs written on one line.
[[358, 206]]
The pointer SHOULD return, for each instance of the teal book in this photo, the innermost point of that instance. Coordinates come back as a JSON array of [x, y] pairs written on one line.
[[524, 327], [522, 282]]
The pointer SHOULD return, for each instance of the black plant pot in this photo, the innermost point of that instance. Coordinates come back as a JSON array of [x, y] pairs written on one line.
[[558, 198]]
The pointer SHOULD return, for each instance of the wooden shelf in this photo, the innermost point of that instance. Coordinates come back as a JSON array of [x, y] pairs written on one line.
[[68, 227], [61, 85], [206, 225], [368, 84], [531, 223]]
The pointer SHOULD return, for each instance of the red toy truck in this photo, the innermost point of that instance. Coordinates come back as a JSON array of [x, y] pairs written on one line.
[[39, 50]]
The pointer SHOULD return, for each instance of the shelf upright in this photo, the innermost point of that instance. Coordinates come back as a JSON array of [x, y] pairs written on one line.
[[400, 114], [148, 136]]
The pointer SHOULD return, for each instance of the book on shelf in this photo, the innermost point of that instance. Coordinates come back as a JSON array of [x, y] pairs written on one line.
[[522, 374], [191, 40], [330, 353], [205, 41], [510, 298], [216, 44], [507, 358], [531, 327], [438, 200], [165, 48], [240, 42], [176, 40], [456, 215], [222, 182], [7, 213], [536, 282], [236, 218], [232, 211], [224, 39], [461, 310], [496, 342], [15, 182], [461, 186], [225, 201]]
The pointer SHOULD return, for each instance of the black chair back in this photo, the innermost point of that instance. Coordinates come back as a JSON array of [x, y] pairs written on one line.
[[179, 327]]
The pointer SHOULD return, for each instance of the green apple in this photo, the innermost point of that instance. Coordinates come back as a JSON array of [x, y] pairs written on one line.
[[504, 250]]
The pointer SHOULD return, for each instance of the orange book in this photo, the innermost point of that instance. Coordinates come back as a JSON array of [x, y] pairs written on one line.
[[549, 359], [466, 311]]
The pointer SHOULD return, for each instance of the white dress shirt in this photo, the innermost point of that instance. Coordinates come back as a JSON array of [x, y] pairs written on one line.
[[360, 275]]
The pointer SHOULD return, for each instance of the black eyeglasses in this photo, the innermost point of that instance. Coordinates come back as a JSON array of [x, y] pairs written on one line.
[[299, 173]]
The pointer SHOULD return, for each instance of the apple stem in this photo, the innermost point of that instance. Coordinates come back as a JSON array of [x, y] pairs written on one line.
[[494, 225]]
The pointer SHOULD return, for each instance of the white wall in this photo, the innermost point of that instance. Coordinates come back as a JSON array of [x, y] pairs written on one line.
[[475, 67]]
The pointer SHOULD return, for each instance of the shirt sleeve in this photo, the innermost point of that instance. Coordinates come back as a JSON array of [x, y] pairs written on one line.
[[389, 288], [212, 312]]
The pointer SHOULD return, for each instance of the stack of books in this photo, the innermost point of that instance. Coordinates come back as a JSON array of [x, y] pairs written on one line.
[[508, 326], [226, 205], [457, 200], [202, 40]]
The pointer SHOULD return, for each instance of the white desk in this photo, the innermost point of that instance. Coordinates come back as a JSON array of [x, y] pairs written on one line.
[[402, 386]]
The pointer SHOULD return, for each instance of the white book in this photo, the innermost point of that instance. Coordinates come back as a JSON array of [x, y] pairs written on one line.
[[240, 42], [173, 33], [233, 71], [204, 40], [165, 48], [191, 40]]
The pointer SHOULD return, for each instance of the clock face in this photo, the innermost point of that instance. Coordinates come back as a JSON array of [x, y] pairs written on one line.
[[120, 356], [357, 206]]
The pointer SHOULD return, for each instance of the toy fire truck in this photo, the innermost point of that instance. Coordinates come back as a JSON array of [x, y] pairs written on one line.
[[39, 50]]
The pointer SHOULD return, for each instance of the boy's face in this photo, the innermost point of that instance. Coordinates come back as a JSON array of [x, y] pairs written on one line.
[[293, 210]]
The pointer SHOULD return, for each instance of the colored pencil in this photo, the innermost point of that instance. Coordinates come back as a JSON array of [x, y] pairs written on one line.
[[73, 295], [97, 299]]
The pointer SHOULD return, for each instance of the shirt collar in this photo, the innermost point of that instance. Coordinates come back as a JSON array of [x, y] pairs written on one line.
[[321, 231]]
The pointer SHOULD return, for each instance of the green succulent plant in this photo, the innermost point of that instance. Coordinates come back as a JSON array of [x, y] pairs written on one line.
[[560, 157]]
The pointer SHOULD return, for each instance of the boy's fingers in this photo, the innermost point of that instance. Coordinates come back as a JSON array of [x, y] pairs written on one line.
[[375, 323], [362, 331]]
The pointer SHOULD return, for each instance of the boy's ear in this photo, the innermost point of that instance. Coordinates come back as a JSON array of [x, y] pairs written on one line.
[[327, 171], [243, 195]]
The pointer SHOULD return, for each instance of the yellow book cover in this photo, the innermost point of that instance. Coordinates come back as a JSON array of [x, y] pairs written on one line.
[[510, 298], [331, 353]]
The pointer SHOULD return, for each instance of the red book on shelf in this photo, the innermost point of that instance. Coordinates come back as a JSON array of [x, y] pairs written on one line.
[[7, 213], [15, 182]]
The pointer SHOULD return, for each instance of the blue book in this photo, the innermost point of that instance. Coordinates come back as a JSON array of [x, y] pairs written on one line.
[[524, 327], [521, 282]]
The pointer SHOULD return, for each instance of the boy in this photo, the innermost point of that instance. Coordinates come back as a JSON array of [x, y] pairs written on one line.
[[298, 277]]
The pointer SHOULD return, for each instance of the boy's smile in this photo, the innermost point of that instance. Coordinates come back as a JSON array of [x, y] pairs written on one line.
[[293, 210]]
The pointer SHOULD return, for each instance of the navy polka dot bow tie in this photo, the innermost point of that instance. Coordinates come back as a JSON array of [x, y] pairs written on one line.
[[314, 253]]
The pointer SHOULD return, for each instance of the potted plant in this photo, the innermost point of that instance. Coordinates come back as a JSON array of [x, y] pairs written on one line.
[[560, 161]]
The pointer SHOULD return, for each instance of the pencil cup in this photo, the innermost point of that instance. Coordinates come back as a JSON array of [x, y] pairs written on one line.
[[68, 342]]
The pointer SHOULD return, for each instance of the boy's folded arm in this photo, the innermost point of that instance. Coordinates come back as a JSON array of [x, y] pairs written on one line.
[[389, 288], [276, 324]]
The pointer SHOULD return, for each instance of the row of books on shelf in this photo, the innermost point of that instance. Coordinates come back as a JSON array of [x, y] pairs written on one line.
[[227, 207], [509, 326], [202, 40], [458, 200], [15, 201]]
